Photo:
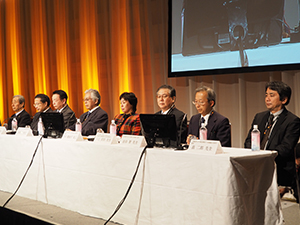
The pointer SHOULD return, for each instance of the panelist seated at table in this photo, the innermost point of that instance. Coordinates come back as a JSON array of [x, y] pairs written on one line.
[[22, 117], [95, 118], [129, 121], [218, 126], [41, 104], [279, 131], [59, 102], [166, 97]]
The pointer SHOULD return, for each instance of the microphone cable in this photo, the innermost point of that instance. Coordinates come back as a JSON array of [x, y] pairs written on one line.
[[38, 144], [130, 185]]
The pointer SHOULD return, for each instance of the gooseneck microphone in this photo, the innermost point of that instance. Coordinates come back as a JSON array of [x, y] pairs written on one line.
[[179, 146], [70, 119]]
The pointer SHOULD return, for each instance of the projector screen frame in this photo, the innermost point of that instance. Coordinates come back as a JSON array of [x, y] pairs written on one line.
[[220, 71]]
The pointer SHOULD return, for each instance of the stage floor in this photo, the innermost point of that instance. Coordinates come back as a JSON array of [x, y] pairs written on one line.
[[47, 213], [56, 215]]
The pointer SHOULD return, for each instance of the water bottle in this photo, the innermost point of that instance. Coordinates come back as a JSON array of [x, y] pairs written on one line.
[[113, 128], [14, 124], [78, 125], [203, 132], [255, 139], [40, 127]]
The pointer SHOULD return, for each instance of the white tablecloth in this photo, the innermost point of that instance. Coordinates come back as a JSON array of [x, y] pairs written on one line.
[[179, 187]]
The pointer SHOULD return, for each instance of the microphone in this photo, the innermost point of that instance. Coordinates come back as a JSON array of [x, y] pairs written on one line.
[[179, 146], [5, 120], [70, 119]]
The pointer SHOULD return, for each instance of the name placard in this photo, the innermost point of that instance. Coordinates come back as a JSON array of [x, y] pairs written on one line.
[[205, 147], [24, 131], [72, 136], [106, 139], [2, 130], [133, 140]]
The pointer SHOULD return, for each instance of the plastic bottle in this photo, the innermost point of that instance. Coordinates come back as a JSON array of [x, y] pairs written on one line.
[[78, 125], [113, 128], [255, 139], [14, 124], [40, 127], [203, 132]]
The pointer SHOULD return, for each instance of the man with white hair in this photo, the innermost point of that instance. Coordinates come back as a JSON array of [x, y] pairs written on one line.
[[95, 118], [22, 117]]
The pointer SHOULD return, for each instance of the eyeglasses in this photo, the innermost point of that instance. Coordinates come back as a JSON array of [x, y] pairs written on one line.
[[162, 96], [36, 104], [86, 99], [198, 102]]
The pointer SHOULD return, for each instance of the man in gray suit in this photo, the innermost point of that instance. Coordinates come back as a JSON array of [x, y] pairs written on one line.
[[95, 117], [59, 101]]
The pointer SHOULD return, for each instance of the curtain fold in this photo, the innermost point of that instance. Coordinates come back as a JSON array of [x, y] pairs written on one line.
[[113, 46]]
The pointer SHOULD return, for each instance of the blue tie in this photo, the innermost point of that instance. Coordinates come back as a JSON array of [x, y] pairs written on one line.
[[88, 114], [202, 120]]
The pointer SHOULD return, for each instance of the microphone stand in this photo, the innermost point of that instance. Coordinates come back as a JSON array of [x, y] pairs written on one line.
[[179, 146]]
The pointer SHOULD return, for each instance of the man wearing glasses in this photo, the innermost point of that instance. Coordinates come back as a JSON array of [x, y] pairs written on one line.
[[41, 104], [218, 127], [23, 118], [166, 97], [95, 118]]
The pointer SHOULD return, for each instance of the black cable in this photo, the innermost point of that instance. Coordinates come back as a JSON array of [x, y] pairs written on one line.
[[25, 173], [130, 185]]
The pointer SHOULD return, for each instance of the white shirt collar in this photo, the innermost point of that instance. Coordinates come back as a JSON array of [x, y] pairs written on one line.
[[92, 110], [19, 112], [60, 110]]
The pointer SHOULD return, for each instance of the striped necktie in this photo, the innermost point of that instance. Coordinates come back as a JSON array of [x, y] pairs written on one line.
[[267, 132]]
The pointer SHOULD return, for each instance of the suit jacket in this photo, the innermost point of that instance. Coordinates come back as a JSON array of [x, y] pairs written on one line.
[[23, 119], [180, 123], [97, 119], [35, 120], [283, 139], [218, 128], [69, 116]]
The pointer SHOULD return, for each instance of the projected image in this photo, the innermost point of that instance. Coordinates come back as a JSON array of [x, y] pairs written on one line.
[[219, 34]]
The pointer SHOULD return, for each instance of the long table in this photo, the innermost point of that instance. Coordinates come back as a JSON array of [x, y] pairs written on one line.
[[171, 187]]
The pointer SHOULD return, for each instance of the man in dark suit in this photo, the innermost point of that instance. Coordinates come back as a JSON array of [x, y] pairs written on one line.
[[283, 134], [218, 127], [22, 117], [166, 97], [41, 104], [59, 102], [95, 118]]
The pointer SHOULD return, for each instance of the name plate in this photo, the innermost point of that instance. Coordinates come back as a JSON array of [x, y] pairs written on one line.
[[106, 139], [72, 136], [2, 130], [206, 147], [24, 131], [133, 140]]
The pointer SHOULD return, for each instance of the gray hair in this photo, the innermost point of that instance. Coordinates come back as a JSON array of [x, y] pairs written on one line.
[[94, 95], [211, 95], [21, 99]]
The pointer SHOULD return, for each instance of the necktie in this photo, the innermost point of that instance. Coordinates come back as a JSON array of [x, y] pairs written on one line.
[[267, 132], [88, 114], [202, 121]]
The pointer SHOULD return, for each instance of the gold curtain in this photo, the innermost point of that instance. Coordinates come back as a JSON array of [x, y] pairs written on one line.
[[109, 45]]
